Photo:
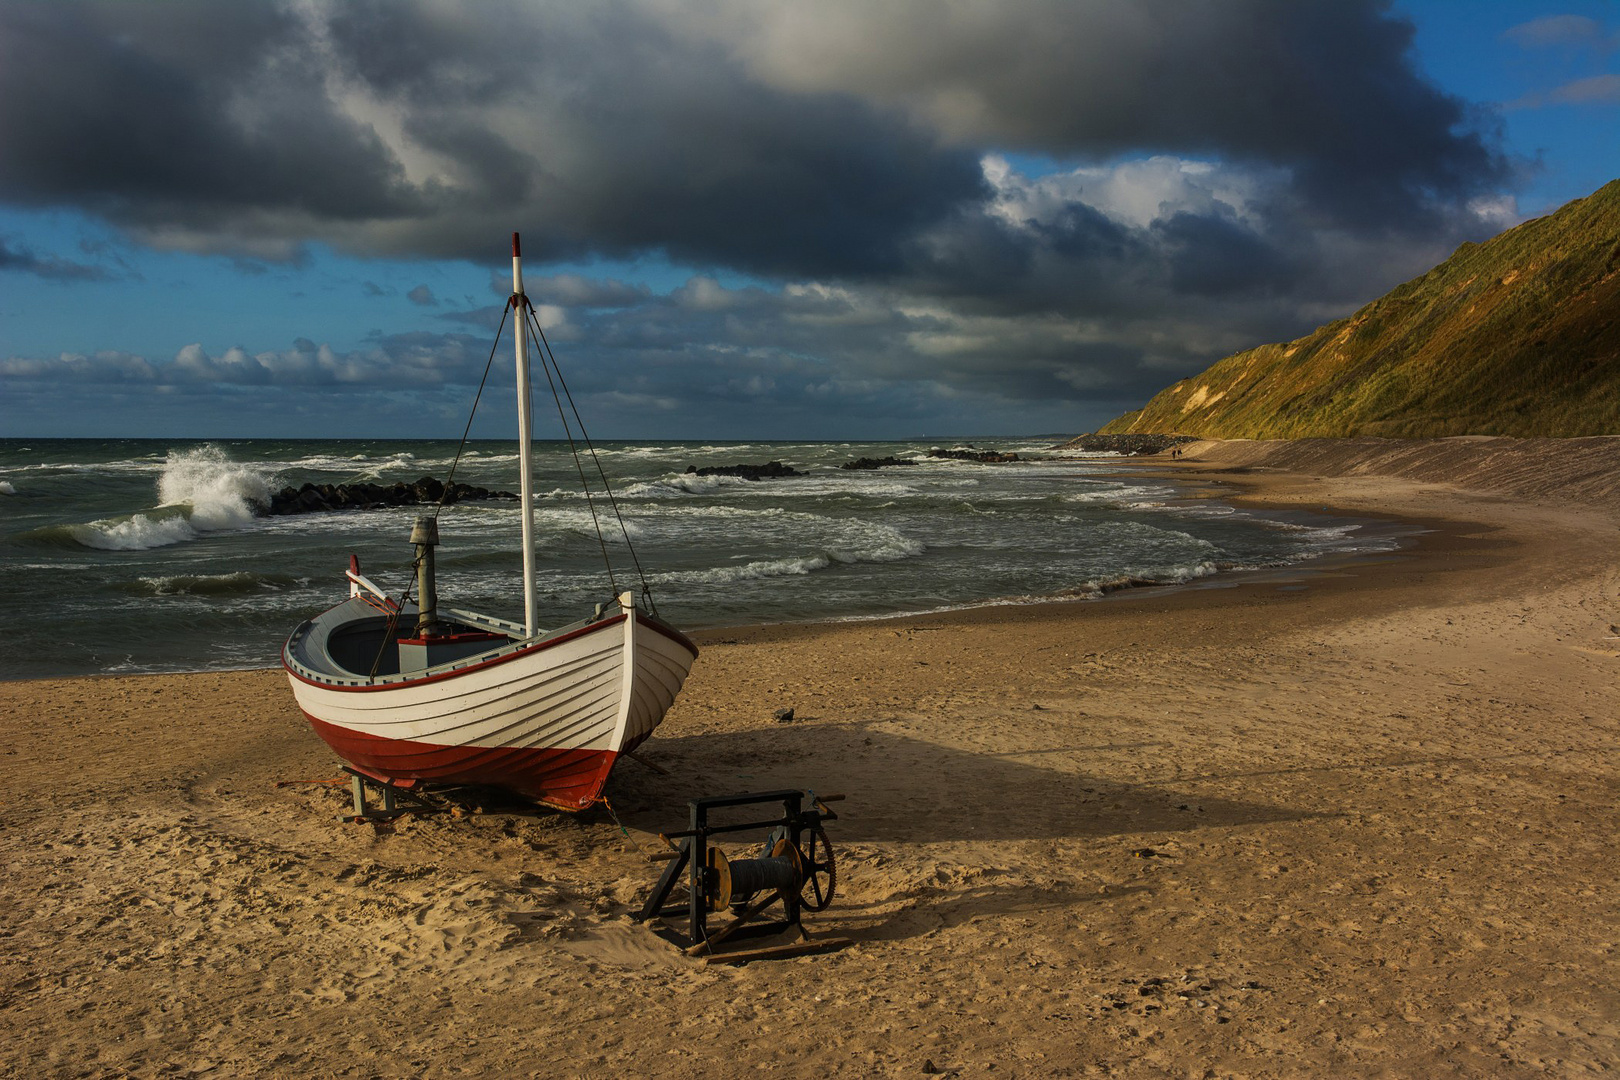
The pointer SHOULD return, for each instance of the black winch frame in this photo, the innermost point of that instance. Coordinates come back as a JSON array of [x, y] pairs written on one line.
[[798, 840]]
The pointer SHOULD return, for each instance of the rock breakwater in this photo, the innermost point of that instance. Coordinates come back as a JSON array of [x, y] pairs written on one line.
[[1134, 445], [324, 498]]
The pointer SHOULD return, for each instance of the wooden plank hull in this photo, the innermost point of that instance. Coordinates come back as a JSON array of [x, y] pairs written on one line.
[[547, 717], [571, 779]]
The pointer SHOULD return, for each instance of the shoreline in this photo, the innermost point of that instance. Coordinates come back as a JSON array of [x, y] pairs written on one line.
[[1428, 539], [1363, 827], [1328, 562]]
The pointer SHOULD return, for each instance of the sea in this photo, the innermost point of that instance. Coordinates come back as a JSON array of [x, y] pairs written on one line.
[[153, 555]]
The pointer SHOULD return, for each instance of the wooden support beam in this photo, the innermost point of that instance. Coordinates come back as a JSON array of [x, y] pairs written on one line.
[[726, 931], [776, 952]]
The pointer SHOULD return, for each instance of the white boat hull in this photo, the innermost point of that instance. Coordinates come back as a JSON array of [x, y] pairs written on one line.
[[547, 717]]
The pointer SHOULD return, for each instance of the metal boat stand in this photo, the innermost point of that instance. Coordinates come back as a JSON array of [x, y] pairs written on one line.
[[391, 795], [796, 858]]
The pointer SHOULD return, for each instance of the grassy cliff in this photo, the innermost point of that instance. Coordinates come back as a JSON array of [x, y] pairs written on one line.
[[1519, 336]]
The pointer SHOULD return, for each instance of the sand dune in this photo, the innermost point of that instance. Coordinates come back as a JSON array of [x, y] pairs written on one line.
[[1585, 471], [1351, 822]]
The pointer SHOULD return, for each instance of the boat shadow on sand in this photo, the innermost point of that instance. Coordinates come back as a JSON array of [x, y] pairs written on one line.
[[931, 836], [910, 790]]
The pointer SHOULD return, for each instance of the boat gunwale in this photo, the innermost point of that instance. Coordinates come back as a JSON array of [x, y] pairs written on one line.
[[522, 648]]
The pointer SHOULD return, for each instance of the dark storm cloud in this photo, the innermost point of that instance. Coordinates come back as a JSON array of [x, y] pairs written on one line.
[[1215, 256], [1327, 88], [797, 139], [1235, 172], [590, 126], [15, 256], [575, 290], [189, 116]]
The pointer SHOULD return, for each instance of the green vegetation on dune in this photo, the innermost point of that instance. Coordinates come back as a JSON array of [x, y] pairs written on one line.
[[1518, 336]]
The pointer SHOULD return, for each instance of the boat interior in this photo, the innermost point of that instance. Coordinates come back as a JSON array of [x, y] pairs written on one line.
[[351, 644]]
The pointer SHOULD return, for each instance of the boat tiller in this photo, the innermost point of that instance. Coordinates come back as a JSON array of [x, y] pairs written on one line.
[[795, 866]]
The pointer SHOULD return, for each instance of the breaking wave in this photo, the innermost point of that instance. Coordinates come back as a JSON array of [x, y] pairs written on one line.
[[240, 583], [138, 532], [580, 523], [682, 484], [881, 545], [199, 491]]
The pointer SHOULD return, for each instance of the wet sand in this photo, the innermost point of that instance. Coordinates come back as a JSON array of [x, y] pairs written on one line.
[[1354, 822]]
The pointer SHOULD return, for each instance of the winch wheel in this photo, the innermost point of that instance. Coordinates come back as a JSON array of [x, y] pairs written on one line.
[[819, 870]]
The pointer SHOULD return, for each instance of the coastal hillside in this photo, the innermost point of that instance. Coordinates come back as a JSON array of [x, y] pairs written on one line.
[[1518, 336]]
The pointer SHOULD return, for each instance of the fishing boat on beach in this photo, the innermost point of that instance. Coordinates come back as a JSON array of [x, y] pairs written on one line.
[[408, 692]]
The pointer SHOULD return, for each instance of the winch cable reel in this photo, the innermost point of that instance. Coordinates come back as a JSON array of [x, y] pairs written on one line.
[[795, 866]]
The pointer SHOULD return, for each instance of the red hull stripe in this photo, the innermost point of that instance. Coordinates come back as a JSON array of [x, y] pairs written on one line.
[[568, 779]]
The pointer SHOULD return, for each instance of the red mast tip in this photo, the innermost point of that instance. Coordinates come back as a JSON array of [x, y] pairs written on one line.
[[516, 254]]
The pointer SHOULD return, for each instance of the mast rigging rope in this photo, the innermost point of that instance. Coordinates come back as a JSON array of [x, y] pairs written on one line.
[[607, 488], [527, 322], [579, 466]]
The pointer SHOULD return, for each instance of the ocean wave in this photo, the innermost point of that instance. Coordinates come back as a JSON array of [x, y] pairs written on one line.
[[138, 532], [216, 492], [142, 464], [580, 523], [1142, 535], [1312, 532], [349, 463], [724, 511], [879, 544], [679, 484], [239, 583], [1115, 495], [200, 491], [1146, 578], [763, 568]]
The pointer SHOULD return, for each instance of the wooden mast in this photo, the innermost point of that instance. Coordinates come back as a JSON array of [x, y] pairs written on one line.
[[520, 305]]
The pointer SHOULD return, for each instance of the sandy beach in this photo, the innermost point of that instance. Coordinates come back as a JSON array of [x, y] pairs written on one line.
[[1354, 821]]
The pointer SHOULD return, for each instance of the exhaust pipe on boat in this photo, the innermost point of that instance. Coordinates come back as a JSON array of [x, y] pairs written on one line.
[[425, 535]]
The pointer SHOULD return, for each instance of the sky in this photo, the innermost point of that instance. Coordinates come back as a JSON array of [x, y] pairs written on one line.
[[742, 219]]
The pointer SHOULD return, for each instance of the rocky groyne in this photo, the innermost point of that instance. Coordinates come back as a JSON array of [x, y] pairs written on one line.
[[1134, 445], [973, 453], [771, 470], [324, 498]]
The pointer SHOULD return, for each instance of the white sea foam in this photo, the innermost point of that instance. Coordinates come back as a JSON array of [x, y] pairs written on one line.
[[138, 532], [373, 466], [723, 511], [682, 484], [206, 584], [858, 544], [581, 523], [752, 571], [1109, 494], [218, 493], [200, 491]]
